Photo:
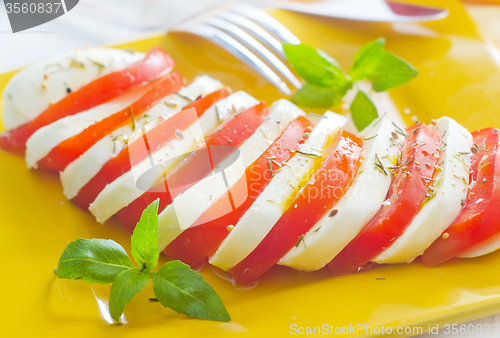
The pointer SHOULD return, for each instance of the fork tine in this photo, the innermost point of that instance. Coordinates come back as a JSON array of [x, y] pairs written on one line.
[[255, 47], [239, 51], [265, 20], [255, 30]]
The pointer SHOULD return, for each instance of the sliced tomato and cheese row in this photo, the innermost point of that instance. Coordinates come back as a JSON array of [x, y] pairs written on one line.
[[155, 135], [409, 190], [475, 231], [48, 137], [108, 158], [443, 204], [146, 174], [267, 209], [353, 206], [194, 225], [331, 209], [71, 136], [72, 83], [277, 200], [218, 145], [211, 228]]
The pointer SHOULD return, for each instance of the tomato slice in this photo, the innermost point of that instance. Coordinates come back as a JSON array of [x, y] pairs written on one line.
[[326, 187], [154, 138], [480, 215], [155, 64], [406, 196], [69, 150], [202, 240], [232, 132], [202, 104]]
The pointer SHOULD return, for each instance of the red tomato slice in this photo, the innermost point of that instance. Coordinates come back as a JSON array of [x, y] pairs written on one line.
[[155, 64], [202, 240], [480, 215], [202, 104], [196, 168], [155, 139], [327, 186], [69, 150], [406, 196]]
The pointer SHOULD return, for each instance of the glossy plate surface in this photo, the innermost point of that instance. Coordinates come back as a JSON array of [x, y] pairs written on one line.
[[460, 77]]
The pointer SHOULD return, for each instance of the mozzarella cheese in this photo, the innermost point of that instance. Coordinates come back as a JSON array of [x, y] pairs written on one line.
[[80, 172], [488, 246], [267, 209], [450, 186], [34, 88], [124, 190], [189, 206], [359, 204]]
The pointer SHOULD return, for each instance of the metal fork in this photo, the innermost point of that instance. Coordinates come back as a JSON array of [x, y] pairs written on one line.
[[251, 35]]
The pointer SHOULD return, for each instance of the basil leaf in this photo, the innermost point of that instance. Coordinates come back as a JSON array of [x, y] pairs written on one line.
[[125, 286], [385, 69], [366, 60], [145, 238], [93, 261], [314, 96], [363, 111], [183, 290], [314, 66], [392, 72]]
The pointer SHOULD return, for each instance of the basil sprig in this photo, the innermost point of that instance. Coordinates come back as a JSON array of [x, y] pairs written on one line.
[[175, 285], [326, 83]]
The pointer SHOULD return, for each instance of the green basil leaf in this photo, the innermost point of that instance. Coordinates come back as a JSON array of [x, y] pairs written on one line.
[[145, 238], [313, 96], [366, 60], [385, 69], [314, 66], [183, 290], [363, 111], [125, 286], [392, 72], [93, 261]]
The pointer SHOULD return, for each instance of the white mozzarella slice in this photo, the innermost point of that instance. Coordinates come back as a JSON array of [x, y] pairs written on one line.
[[359, 204], [34, 88], [80, 172], [123, 191], [225, 109], [488, 246], [267, 209], [48, 137], [450, 188], [190, 205]]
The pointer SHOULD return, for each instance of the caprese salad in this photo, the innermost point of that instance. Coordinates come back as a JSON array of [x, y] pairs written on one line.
[[246, 185]]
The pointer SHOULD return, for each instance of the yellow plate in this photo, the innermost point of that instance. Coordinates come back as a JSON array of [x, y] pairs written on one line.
[[459, 78]]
